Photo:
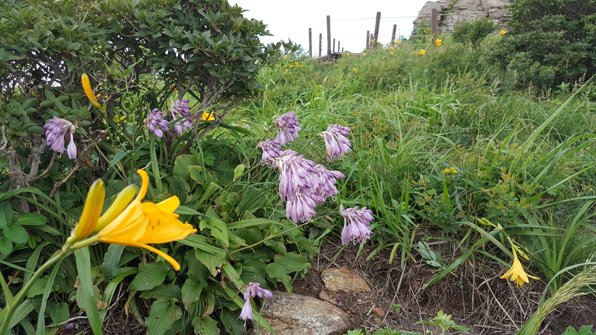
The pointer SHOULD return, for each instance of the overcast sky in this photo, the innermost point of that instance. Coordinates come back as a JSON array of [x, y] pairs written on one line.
[[291, 19]]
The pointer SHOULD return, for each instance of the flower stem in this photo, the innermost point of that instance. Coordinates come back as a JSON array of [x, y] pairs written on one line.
[[58, 255]]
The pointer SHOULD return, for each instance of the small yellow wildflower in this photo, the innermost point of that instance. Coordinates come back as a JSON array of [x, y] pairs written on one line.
[[427, 30], [392, 52], [517, 272], [421, 53], [355, 69], [348, 54], [208, 116], [364, 54], [286, 71], [397, 42], [391, 47], [438, 42], [449, 171], [285, 56], [502, 32]]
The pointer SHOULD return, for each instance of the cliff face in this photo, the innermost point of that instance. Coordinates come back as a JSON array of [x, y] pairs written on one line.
[[453, 12]]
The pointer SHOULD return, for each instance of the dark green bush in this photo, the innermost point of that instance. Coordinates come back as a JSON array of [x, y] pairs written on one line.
[[473, 32]]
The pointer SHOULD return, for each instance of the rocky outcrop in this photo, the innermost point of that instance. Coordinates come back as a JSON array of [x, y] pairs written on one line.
[[453, 12], [342, 279], [301, 315]]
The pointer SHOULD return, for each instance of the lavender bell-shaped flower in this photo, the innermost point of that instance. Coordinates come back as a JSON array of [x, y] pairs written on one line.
[[326, 181], [156, 123], [287, 128], [336, 141], [56, 130], [271, 149], [254, 289], [181, 110], [358, 224], [301, 208]]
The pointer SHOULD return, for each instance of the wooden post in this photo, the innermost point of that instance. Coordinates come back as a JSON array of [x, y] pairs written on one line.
[[367, 38], [342, 50], [320, 45], [393, 34], [433, 25], [310, 42], [377, 23], [338, 44], [334, 45], [328, 35]]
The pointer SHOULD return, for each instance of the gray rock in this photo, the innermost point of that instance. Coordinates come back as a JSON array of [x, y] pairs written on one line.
[[301, 315], [342, 279]]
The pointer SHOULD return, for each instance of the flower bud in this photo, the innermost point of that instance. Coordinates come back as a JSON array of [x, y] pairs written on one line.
[[122, 200], [91, 212]]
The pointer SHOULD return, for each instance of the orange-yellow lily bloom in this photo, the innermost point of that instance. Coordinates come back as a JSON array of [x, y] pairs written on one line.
[[517, 272], [89, 91], [91, 212], [208, 116], [141, 224]]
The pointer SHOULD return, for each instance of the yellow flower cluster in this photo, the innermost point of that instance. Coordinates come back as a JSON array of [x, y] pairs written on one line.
[[421, 53], [438, 42], [449, 171]]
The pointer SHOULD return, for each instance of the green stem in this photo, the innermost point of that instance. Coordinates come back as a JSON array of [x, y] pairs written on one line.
[[23, 292]]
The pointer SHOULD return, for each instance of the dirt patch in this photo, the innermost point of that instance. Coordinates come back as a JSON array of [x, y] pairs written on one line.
[[476, 297]]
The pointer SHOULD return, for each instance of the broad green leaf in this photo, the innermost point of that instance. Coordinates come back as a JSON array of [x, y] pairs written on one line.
[[181, 165], [161, 317], [151, 275], [111, 287], [212, 262], [59, 312], [5, 245], [232, 322], [191, 291], [250, 223], [218, 229], [5, 214], [229, 271], [40, 285], [207, 300], [109, 267], [205, 326], [280, 248], [32, 220], [200, 242], [163, 293], [22, 311], [87, 292], [238, 171], [287, 264], [16, 233]]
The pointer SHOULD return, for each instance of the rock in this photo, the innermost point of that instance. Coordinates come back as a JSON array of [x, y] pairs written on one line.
[[342, 279], [453, 12], [297, 314], [379, 311], [323, 295], [378, 321]]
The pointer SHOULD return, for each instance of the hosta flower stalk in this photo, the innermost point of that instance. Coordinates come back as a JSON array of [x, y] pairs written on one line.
[[254, 289], [287, 128], [180, 111], [356, 224], [56, 130], [156, 123]]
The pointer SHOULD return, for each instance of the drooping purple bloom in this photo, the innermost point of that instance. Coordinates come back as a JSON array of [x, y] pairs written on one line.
[[287, 128], [271, 149], [180, 111], [70, 325], [356, 224], [56, 130], [301, 208], [326, 181], [295, 174], [156, 123], [254, 289], [336, 141]]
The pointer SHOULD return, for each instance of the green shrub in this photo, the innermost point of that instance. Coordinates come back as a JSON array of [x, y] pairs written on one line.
[[473, 32]]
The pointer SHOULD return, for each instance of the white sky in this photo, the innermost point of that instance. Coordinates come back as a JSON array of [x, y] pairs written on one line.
[[291, 19]]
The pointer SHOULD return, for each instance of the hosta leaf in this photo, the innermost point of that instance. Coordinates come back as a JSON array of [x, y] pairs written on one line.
[[5, 245], [212, 262], [191, 291], [231, 321], [205, 326], [161, 317], [5, 214], [16, 233], [150, 276], [163, 293]]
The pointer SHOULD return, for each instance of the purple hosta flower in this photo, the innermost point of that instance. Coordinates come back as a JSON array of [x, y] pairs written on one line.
[[156, 123], [287, 128], [336, 141], [358, 224], [56, 130], [254, 289], [326, 181], [271, 149], [181, 110], [301, 208], [70, 325], [295, 174]]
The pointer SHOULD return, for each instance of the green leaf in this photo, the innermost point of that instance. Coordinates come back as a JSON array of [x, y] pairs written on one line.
[[279, 248], [238, 171], [181, 165], [109, 267], [150, 276], [39, 287], [163, 293], [16, 233], [200, 242], [212, 262], [5, 214], [162, 316], [32, 220], [22, 311], [87, 292], [218, 229], [41, 321], [118, 157], [5, 245], [207, 299], [232, 322], [183, 210], [191, 291], [59, 312], [205, 326]]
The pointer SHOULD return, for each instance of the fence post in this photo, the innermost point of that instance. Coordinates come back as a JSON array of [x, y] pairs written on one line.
[[342, 50], [320, 44], [310, 42], [377, 23], [338, 46], [328, 35], [367, 38], [393, 34], [334, 45], [433, 25]]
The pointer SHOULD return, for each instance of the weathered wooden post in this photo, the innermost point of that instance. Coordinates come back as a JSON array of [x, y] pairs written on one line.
[[433, 25], [328, 35], [367, 38], [338, 44], [393, 34], [310, 42], [334, 45], [320, 44], [377, 23], [342, 50]]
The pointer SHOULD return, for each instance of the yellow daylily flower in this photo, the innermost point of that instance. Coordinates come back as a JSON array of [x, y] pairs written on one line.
[[141, 224], [517, 272], [348, 54], [438, 42], [502, 32], [421, 53], [119, 204], [364, 54], [392, 52], [355, 69], [208, 116], [397, 42], [89, 91], [91, 212], [391, 47]]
